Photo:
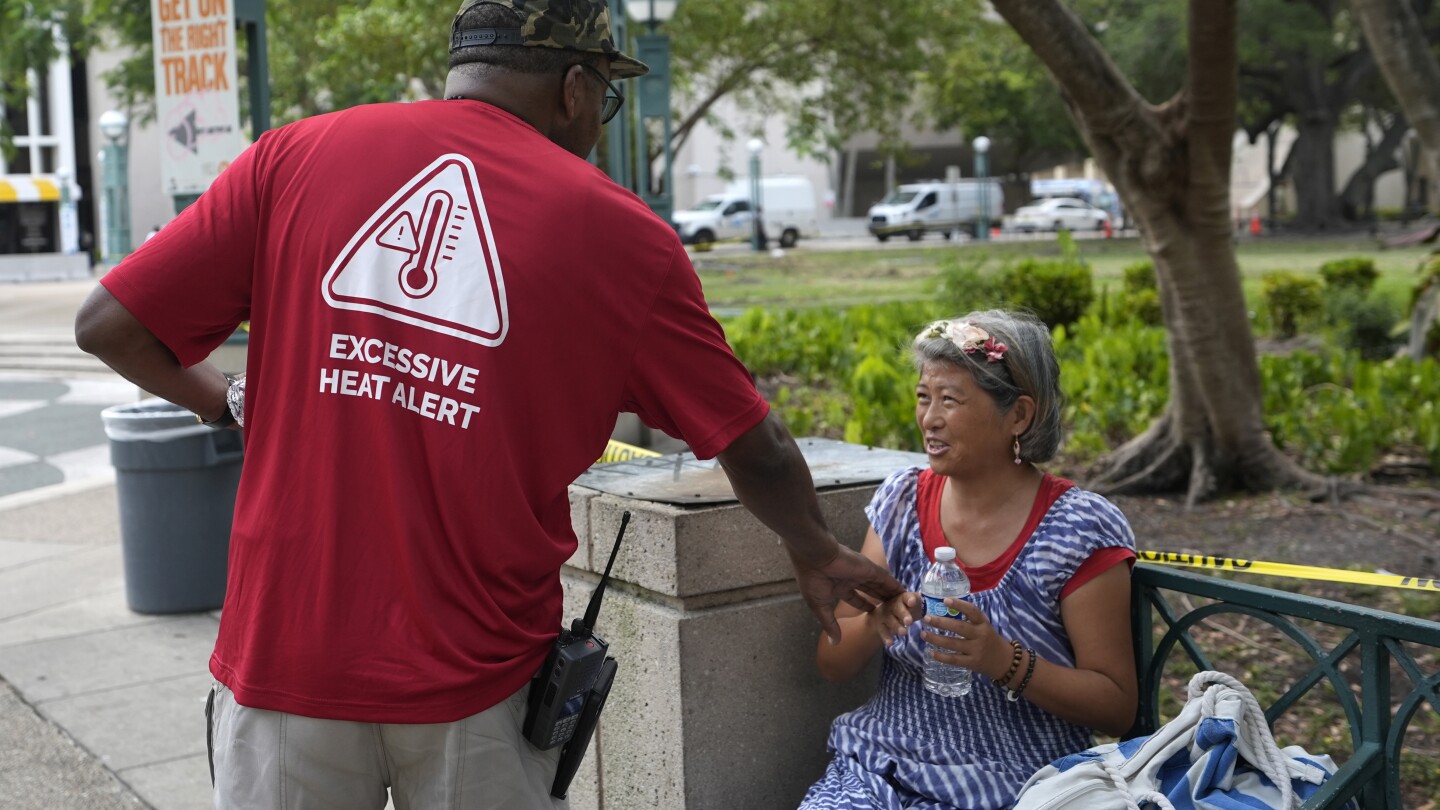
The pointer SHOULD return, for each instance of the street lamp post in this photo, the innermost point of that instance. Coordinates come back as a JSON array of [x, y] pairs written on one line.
[[653, 102], [69, 222], [617, 132], [757, 239], [982, 147], [114, 126]]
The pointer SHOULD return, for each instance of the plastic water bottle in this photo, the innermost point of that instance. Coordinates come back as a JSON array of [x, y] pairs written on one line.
[[944, 578]]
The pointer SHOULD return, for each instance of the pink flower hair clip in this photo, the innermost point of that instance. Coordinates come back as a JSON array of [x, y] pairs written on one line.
[[968, 338]]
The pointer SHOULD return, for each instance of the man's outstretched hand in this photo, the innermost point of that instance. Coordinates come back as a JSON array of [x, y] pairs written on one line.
[[844, 578]]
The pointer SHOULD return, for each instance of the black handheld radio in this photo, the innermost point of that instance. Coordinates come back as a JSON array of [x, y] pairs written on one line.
[[570, 685]]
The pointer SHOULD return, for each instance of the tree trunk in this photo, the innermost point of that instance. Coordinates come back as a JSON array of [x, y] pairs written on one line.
[[1171, 166], [1272, 175], [1313, 172], [1398, 42], [1357, 201]]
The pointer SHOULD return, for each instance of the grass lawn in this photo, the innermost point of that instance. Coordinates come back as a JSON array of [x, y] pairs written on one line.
[[801, 278]]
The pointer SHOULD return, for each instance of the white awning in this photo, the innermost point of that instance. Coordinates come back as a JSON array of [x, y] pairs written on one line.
[[33, 188]]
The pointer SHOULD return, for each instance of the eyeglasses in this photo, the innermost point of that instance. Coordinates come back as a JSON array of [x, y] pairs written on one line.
[[613, 97]]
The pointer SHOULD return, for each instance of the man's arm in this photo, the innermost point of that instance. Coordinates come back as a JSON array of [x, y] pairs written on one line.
[[106, 329], [772, 480]]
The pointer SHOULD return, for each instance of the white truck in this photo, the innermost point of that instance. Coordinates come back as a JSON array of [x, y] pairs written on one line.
[[787, 204], [934, 205]]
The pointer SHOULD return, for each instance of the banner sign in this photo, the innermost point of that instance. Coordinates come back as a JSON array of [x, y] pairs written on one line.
[[197, 101]]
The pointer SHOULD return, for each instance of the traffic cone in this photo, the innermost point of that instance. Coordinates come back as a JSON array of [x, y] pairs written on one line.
[[1255, 228]]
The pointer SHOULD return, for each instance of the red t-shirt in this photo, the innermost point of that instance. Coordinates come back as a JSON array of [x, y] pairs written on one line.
[[447, 313], [984, 577]]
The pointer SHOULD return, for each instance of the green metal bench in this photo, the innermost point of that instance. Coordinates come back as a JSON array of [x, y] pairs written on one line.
[[1375, 639]]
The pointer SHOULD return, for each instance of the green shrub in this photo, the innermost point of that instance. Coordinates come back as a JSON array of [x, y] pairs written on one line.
[[1337, 412], [846, 373], [1356, 272], [1140, 276], [961, 286], [1363, 322], [1139, 298], [1115, 377], [1144, 306], [1057, 291], [1292, 300]]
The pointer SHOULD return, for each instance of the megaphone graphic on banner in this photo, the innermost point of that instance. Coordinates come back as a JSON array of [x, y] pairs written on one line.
[[188, 135]]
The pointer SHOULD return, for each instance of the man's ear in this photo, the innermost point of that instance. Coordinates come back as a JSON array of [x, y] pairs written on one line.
[[572, 90]]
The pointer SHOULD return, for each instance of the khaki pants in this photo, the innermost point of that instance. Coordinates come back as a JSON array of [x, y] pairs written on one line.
[[265, 760]]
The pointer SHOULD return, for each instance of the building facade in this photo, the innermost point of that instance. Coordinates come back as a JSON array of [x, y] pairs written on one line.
[[45, 181]]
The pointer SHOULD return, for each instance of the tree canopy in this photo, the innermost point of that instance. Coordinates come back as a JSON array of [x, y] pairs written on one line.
[[989, 83], [832, 69], [28, 40]]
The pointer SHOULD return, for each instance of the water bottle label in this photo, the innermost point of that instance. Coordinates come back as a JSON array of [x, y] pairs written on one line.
[[935, 606]]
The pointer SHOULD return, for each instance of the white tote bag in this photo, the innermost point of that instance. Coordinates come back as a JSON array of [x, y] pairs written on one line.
[[1218, 754]]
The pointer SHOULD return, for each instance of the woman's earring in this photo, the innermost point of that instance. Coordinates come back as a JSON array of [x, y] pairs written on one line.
[[1017, 449]]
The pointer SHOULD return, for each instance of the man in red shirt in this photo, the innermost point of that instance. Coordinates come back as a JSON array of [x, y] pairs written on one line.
[[448, 308]]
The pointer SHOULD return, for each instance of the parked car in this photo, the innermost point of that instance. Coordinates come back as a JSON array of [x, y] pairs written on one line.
[[1057, 213]]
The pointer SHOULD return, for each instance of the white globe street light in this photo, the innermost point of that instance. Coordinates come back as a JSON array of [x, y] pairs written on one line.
[[114, 125], [982, 224]]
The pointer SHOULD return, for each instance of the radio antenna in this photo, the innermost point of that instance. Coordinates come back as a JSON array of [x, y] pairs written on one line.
[[592, 612]]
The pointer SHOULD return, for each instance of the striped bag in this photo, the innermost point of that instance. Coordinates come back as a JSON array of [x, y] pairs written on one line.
[[1218, 754]]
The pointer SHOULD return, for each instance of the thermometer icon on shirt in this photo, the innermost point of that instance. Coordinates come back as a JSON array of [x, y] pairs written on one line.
[[419, 275]]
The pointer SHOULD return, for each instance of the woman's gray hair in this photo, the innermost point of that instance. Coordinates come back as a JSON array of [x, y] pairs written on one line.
[[1028, 368]]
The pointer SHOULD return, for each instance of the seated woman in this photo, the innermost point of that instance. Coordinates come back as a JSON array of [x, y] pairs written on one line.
[[1046, 629]]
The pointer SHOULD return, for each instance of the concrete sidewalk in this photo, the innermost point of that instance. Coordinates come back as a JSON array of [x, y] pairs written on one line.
[[107, 707]]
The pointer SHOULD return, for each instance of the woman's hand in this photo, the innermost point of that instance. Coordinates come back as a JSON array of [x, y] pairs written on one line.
[[893, 617], [975, 645]]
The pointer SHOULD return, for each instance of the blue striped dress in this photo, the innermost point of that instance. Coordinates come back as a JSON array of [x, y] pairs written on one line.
[[910, 748]]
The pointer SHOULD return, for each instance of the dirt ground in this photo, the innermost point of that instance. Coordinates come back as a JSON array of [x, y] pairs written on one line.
[[1393, 527]]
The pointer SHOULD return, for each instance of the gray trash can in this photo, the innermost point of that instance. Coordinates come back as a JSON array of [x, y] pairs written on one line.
[[176, 482]]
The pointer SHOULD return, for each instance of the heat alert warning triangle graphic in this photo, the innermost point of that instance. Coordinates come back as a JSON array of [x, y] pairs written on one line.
[[426, 257]]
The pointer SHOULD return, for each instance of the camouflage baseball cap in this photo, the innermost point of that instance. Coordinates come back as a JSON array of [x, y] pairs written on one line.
[[574, 25]]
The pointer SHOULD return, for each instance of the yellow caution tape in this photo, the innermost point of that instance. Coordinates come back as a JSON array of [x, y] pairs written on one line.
[[1275, 569], [620, 451]]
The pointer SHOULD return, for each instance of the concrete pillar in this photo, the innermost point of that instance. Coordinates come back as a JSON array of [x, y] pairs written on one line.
[[717, 703]]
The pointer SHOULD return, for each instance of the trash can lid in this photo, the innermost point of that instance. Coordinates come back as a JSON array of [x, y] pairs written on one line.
[[152, 419]]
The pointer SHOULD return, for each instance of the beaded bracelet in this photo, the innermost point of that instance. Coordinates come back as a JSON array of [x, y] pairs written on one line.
[[1014, 694], [1014, 665]]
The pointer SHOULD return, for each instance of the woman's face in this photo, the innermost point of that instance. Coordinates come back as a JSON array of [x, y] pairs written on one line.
[[964, 430]]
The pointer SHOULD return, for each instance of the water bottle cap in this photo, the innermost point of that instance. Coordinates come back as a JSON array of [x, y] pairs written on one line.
[[945, 554]]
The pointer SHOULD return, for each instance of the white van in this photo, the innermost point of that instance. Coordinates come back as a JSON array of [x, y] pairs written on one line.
[[934, 205], [788, 204]]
